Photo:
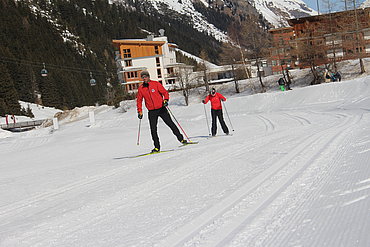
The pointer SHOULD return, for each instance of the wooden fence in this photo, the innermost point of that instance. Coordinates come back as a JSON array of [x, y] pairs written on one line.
[[20, 125]]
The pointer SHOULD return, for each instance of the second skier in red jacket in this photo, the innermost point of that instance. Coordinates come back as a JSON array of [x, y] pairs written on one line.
[[216, 111]]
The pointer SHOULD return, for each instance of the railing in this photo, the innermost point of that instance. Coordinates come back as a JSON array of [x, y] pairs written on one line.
[[22, 124]]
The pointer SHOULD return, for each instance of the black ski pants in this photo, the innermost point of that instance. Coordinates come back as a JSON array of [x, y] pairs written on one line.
[[218, 114], [153, 121]]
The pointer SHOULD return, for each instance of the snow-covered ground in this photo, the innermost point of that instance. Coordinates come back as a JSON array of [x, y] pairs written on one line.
[[295, 172]]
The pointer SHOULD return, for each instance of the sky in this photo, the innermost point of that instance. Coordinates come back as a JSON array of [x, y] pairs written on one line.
[[294, 172], [338, 3]]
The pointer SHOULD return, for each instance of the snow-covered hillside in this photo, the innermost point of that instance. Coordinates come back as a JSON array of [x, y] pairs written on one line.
[[277, 12], [295, 172], [186, 7], [365, 4]]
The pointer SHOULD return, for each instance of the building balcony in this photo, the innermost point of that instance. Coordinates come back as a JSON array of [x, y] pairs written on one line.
[[170, 76], [130, 69]]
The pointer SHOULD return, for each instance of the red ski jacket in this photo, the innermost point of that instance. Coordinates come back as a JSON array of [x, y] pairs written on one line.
[[215, 100], [154, 94]]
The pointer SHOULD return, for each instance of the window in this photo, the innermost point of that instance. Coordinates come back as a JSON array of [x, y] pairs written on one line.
[[126, 53], [157, 61], [171, 81], [169, 71], [128, 63], [133, 86], [159, 73], [156, 49], [132, 74]]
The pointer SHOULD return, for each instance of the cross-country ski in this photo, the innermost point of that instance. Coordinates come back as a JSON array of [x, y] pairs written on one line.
[[144, 154]]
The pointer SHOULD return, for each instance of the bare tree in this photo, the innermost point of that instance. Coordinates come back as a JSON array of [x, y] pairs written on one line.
[[185, 78], [331, 38], [204, 67], [255, 38], [355, 21], [230, 55], [288, 78], [234, 33], [359, 47], [345, 4], [310, 51]]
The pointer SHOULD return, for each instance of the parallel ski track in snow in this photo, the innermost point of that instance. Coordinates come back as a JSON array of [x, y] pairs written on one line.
[[281, 224], [220, 224], [74, 189], [34, 203], [301, 120], [269, 125], [208, 219], [91, 181]]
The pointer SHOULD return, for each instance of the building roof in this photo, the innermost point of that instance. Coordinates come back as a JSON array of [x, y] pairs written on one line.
[[177, 65], [137, 42], [173, 45]]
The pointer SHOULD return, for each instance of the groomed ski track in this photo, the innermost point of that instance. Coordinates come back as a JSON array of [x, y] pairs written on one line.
[[219, 225], [270, 184]]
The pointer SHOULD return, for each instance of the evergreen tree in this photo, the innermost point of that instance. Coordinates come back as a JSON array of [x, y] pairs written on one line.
[[9, 98], [30, 38], [29, 112]]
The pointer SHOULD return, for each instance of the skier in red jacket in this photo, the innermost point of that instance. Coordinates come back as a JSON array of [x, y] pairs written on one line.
[[216, 111], [156, 99]]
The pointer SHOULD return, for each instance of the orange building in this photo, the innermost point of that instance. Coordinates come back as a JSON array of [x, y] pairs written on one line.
[[153, 54]]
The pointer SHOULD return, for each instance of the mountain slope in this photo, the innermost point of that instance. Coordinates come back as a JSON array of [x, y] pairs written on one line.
[[276, 12], [73, 39], [365, 4]]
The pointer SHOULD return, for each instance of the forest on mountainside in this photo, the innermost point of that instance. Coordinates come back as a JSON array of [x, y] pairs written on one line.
[[73, 41]]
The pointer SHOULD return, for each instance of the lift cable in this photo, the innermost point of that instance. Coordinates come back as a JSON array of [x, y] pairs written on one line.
[[53, 66]]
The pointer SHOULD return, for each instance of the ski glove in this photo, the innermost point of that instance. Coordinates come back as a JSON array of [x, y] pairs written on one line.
[[203, 102], [140, 115], [165, 102]]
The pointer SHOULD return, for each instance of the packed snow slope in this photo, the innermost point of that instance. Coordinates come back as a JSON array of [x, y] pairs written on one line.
[[295, 172]]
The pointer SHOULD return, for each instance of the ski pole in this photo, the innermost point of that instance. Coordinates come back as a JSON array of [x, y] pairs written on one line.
[[227, 115], [138, 133], [205, 112], [177, 123]]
